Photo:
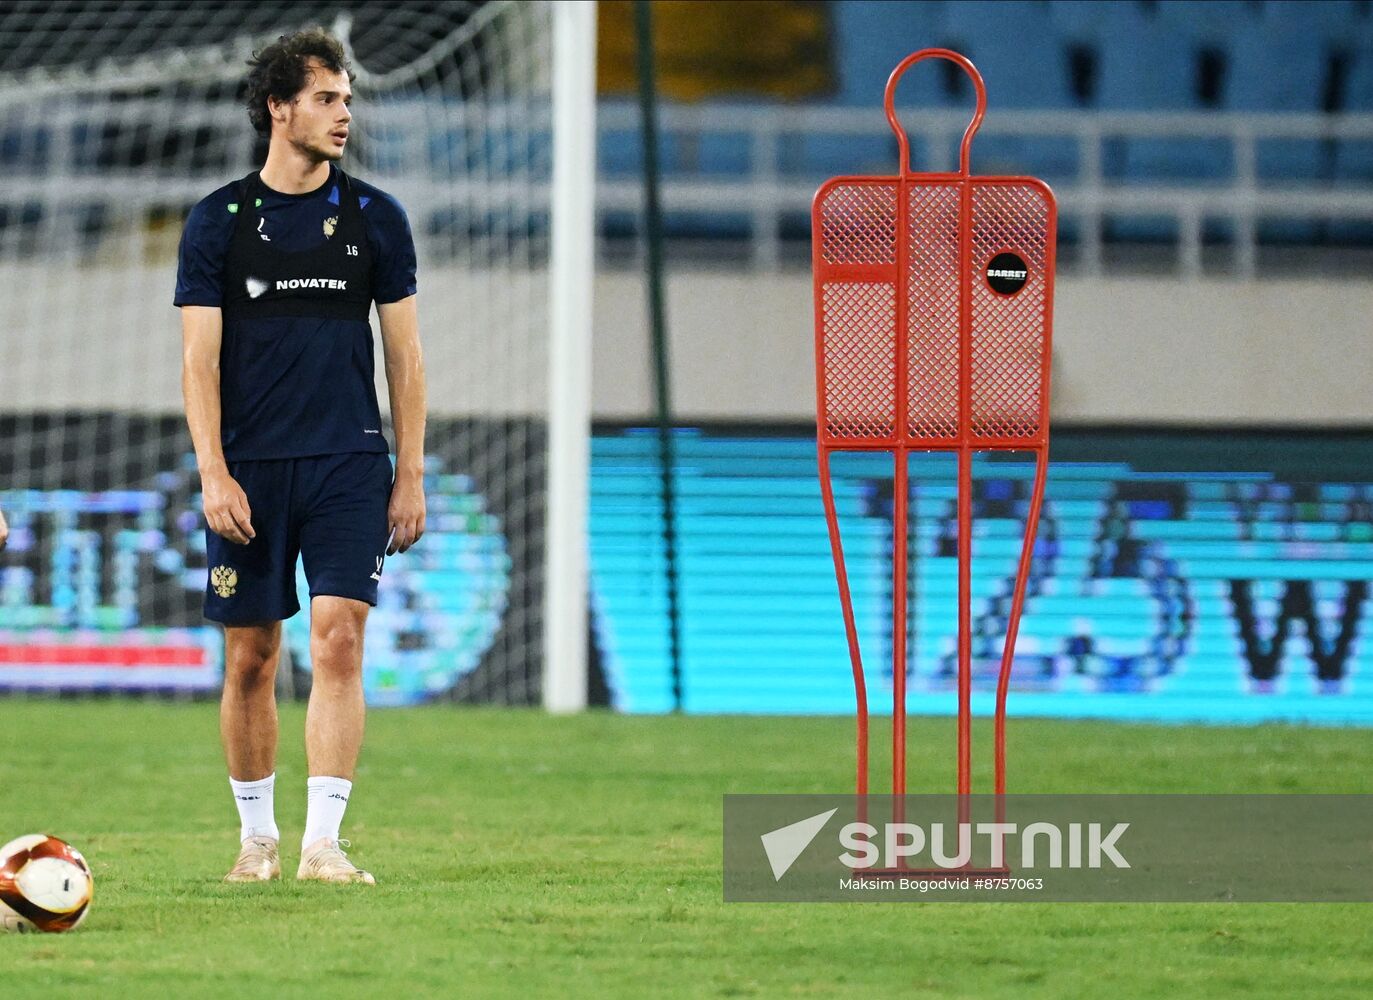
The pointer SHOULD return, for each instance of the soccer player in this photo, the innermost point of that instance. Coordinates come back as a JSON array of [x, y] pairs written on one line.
[[277, 276]]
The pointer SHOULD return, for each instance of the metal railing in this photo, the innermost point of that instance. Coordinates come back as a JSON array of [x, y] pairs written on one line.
[[769, 186], [768, 195]]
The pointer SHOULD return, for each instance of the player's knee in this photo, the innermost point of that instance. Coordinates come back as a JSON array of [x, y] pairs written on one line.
[[249, 667], [336, 648]]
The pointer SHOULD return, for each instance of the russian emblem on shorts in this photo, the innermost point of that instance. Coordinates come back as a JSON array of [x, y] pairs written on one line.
[[224, 581], [330, 224]]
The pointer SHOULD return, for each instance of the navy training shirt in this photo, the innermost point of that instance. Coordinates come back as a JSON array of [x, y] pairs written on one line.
[[296, 385]]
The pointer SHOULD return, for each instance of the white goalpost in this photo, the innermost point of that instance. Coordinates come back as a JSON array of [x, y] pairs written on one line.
[[480, 119], [572, 271]]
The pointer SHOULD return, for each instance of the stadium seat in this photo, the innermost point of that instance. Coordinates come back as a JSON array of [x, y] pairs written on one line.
[[1354, 157], [1017, 48], [1080, 21], [1144, 66], [684, 155], [1106, 57], [1329, 21], [1207, 23], [618, 153], [718, 154], [24, 148], [707, 154], [818, 156], [870, 39], [1024, 61], [1275, 66]]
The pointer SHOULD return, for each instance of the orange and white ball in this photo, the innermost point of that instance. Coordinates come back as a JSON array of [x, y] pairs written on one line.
[[45, 885]]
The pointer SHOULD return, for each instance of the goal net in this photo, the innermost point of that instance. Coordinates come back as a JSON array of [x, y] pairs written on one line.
[[112, 124]]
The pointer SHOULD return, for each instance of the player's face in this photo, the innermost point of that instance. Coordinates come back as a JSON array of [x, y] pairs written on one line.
[[317, 118]]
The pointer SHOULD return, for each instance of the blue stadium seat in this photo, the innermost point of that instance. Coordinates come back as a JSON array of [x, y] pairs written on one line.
[[871, 38], [817, 157], [620, 153], [1354, 157], [1272, 70], [1080, 21], [1328, 21], [1209, 23], [1017, 48], [685, 155], [1136, 56], [1144, 66], [723, 154], [25, 147], [1275, 66], [1215, 22]]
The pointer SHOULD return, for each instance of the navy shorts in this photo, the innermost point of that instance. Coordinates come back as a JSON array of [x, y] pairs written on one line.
[[328, 509]]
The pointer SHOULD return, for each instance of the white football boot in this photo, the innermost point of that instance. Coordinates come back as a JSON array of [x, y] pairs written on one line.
[[258, 861], [324, 861]]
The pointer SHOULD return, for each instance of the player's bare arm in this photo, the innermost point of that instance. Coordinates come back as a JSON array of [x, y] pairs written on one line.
[[405, 380], [4, 530], [226, 505]]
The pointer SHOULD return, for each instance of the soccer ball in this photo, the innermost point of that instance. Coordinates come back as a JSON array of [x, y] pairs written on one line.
[[45, 885]]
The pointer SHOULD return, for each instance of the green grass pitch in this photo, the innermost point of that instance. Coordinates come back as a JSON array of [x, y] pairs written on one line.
[[521, 854]]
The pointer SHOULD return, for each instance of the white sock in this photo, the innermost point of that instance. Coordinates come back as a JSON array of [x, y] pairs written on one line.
[[256, 814], [326, 799]]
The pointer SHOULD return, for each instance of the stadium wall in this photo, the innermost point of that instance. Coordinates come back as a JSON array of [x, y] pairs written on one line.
[[1127, 350]]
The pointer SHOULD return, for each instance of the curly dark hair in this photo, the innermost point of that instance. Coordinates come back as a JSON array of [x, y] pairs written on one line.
[[279, 71]]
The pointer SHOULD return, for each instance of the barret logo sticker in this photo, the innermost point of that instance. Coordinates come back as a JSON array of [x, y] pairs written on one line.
[[1007, 273]]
